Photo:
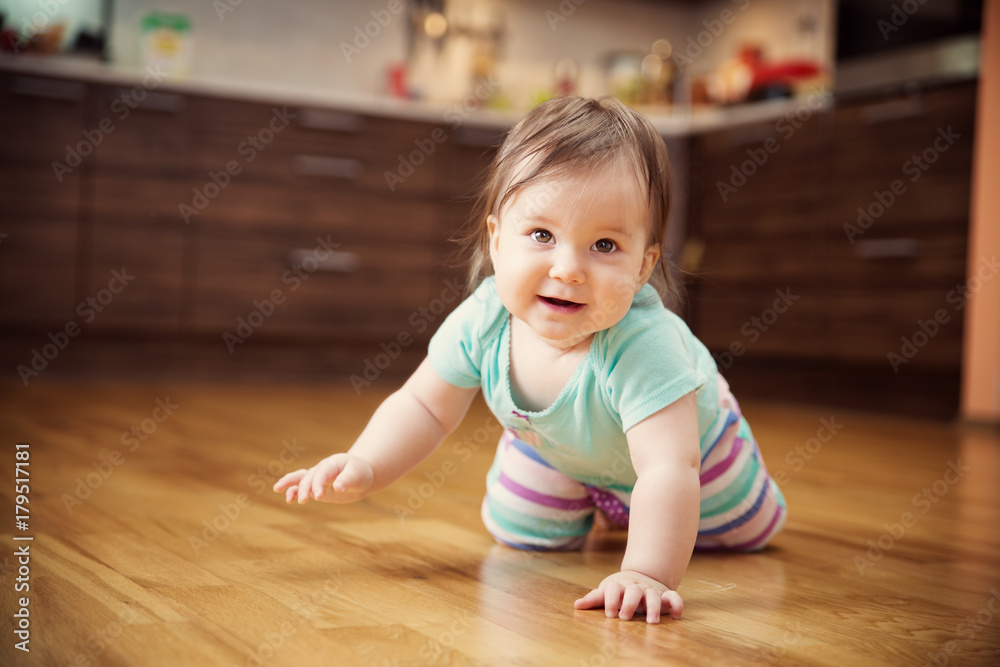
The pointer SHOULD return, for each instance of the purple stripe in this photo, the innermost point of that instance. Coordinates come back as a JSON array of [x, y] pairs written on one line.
[[723, 465], [763, 536], [570, 504], [526, 449]]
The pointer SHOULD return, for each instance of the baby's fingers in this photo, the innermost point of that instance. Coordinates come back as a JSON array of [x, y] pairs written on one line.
[[594, 598], [326, 473], [305, 484], [630, 601], [613, 594], [291, 479], [652, 599], [672, 600]]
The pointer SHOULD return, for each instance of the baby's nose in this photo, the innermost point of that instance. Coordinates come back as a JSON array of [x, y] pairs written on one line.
[[568, 266]]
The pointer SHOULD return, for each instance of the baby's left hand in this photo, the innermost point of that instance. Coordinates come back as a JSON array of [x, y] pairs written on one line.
[[625, 592]]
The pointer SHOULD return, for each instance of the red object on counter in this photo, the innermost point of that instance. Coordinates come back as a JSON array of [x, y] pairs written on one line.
[[396, 81], [790, 70]]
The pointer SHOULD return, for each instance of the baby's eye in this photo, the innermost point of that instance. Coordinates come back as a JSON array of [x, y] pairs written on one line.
[[605, 246], [542, 236]]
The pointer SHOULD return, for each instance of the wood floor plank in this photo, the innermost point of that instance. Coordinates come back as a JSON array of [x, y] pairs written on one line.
[[180, 554], [105, 585]]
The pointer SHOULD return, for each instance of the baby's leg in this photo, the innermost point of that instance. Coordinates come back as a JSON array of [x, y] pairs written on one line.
[[742, 508], [530, 505]]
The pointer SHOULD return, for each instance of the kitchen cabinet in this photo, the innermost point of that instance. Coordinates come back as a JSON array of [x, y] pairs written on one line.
[[41, 186], [862, 215], [304, 224]]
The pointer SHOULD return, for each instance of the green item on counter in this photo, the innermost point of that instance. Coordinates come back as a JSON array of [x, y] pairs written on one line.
[[166, 42]]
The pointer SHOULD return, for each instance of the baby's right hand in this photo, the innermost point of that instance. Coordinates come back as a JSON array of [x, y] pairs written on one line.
[[349, 476]]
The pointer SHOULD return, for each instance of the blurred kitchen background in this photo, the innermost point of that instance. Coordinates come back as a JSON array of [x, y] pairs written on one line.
[[262, 191]]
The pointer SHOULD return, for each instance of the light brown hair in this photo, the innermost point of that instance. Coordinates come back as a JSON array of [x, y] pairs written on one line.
[[566, 136]]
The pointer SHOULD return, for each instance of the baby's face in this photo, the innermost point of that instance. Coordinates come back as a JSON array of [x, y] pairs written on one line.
[[569, 255]]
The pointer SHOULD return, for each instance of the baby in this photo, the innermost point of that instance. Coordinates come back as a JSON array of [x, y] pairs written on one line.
[[608, 402]]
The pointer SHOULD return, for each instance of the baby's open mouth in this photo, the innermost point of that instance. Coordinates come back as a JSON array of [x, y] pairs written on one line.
[[560, 303]]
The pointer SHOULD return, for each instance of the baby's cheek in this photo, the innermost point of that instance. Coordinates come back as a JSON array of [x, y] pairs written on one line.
[[607, 314]]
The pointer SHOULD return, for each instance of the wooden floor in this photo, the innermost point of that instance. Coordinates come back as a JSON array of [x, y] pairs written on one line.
[[171, 550]]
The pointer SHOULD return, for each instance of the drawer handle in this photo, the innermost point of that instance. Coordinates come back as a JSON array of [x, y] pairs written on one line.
[[153, 101], [330, 167], [30, 86], [887, 248], [323, 119], [336, 261], [886, 112]]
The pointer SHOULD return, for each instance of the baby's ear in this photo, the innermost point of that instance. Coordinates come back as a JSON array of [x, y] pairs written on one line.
[[493, 227], [649, 261]]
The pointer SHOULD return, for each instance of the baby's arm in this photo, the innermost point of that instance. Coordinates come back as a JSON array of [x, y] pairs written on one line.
[[663, 517], [402, 432]]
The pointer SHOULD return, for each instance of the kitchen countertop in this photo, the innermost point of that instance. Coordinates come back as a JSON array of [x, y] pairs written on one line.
[[669, 124]]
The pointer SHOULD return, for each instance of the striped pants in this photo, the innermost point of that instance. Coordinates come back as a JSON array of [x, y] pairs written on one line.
[[531, 505]]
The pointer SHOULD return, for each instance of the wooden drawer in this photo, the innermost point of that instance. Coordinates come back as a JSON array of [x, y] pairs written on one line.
[[886, 132], [928, 204], [346, 213], [151, 135], [763, 263], [747, 191], [767, 210], [785, 321], [140, 199], [32, 192], [379, 288], [45, 118], [927, 257], [923, 144], [868, 324], [317, 146]]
